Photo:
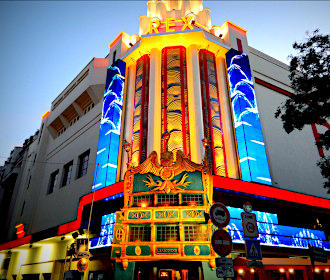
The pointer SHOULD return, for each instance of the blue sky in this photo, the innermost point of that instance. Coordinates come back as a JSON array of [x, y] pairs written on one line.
[[44, 45]]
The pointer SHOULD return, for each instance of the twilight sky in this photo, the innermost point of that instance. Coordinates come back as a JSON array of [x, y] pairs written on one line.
[[44, 45]]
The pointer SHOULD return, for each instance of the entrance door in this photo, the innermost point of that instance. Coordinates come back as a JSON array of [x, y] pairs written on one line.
[[168, 270]]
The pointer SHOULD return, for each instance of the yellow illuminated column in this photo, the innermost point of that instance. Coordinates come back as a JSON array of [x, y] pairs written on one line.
[[154, 110], [128, 115], [195, 104], [227, 123]]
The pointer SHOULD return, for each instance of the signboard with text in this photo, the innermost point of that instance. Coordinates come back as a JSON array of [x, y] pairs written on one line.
[[250, 227]]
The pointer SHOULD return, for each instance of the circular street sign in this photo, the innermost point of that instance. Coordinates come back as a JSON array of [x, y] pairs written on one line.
[[247, 207], [82, 265], [221, 242], [250, 227], [219, 214]]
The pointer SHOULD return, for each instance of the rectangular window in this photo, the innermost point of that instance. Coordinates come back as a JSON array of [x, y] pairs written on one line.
[[196, 233], [67, 170], [167, 199], [22, 209], [139, 233], [83, 164], [143, 200], [52, 181], [192, 199], [28, 184], [168, 233]]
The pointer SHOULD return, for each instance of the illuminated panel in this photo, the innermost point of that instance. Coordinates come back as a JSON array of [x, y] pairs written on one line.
[[211, 112], [109, 136], [140, 117], [250, 142], [106, 234], [175, 99], [273, 234]]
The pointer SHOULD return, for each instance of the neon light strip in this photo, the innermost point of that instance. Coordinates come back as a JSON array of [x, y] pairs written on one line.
[[87, 199], [273, 234], [269, 191]]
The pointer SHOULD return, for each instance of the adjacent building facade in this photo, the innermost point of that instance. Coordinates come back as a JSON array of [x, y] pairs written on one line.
[[138, 146]]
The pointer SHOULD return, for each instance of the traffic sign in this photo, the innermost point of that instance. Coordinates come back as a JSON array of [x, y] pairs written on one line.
[[219, 214], [224, 262], [82, 265], [253, 249], [317, 254], [221, 242], [249, 222], [224, 272], [254, 264]]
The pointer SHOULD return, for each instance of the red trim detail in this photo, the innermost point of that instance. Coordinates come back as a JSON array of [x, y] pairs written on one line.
[[317, 140], [220, 119], [136, 67], [208, 103], [272, 87], [15, 243], [326, 125], [269, 191], [239, 45], [183, 111], [164, 101], [87, 199], [147, 65], [142, 107]]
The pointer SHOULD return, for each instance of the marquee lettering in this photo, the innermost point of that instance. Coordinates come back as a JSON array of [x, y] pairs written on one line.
[[171, 25]]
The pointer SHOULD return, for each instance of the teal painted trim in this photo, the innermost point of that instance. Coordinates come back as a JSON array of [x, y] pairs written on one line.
[[145, 250], [121, 274], [199, 214], [114, 249], [204, 250], [142, 215], [168, 214]]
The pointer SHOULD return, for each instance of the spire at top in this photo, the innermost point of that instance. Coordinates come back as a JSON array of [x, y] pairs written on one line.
[[176, 9]]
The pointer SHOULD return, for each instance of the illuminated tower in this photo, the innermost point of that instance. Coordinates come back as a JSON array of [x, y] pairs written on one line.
[[178, 87], [174, 78]]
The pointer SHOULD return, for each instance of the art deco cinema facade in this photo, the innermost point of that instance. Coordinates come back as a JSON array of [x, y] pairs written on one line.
[[173, 119]]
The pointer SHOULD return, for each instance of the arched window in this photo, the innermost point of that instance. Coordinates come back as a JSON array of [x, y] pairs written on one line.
[[175, 99], [140, 117], [211, 112]]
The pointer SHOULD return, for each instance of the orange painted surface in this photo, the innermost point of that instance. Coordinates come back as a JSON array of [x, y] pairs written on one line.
[[45, 115], [235, 25]]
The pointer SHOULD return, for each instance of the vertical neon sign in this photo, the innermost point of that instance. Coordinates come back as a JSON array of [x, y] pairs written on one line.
[[250, 142], [109, 136]]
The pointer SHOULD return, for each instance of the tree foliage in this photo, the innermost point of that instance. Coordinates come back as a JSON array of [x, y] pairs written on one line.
[[310, 102]]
